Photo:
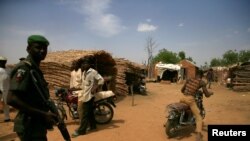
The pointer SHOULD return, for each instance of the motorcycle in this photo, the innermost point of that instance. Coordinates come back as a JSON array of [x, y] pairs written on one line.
[[181, 117], [143, 89], [103, 105]]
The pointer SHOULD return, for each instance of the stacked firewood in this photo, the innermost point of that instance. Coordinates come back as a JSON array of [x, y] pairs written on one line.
[[56, 69], [121, 87], [56, 66], [127, 73], [241, 79], [56, 74]]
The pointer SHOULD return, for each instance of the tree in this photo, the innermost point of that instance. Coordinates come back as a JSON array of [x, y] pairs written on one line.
[[166, 56], [191, 59], [244, 55], [205, 67], [215, 62], [182, 55], [150, 46], [230, 57]]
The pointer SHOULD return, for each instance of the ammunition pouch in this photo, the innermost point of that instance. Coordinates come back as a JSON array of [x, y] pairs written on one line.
[[192, 86]]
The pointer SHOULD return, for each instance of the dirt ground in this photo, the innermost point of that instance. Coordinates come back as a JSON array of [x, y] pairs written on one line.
[[143, 118]]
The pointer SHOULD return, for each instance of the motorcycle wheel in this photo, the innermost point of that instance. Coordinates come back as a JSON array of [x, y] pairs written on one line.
[[103, 113], [143, 92], [170, 128], [73, 115]]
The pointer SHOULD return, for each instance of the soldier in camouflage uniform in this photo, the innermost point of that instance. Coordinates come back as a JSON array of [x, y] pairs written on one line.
[[189, 90], [33, 119]]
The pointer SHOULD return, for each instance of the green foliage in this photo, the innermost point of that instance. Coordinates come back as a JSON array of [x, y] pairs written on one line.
[[244, 55], [205, 67], [191, 59], [182, 55], [231, 57], [166, 56], [215, 62]]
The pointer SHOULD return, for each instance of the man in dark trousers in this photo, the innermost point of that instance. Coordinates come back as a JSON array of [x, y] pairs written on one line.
[[210, 77], [33, 119], [91, 81]]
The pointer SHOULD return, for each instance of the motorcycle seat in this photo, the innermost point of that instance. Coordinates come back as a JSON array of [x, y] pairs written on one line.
[[178, 106], [103, 94]]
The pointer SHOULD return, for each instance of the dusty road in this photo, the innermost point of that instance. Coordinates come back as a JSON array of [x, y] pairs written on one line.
[[144, 120]]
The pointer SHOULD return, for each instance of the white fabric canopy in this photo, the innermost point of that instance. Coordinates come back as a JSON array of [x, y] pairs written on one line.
[[168, 66], [161, 68]]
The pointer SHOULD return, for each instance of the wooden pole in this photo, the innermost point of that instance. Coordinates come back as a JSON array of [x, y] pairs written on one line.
[[132, 93]]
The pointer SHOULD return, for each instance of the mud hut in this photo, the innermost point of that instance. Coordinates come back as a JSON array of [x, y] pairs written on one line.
[[188, 69]]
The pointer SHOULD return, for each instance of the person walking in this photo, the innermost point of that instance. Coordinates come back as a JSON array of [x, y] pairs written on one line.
[[91, 81], [75, 77], [189, 89], [33, 118], [4, 88], [210, 77]]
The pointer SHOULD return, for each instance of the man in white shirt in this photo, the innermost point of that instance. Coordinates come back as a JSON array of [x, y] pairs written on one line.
[[76, 78], [91, 81], [76, 83], [4, 88]]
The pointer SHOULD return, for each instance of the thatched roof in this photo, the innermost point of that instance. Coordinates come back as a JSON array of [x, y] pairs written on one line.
[[67, 57]]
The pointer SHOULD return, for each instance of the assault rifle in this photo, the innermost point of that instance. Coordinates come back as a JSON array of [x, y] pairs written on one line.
[[52, 107]]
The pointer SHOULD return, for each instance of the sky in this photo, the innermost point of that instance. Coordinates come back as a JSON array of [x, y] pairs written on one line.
[[203, 29]]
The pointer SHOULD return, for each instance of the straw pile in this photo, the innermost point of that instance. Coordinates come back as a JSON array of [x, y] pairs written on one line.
[[56, 69], [56, 66], [127, 73], [241, 79]]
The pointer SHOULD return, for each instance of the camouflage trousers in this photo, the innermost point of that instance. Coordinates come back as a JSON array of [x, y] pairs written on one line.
[[190, 100]]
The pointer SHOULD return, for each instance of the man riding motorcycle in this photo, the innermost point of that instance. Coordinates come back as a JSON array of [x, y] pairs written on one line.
[[189, 88]]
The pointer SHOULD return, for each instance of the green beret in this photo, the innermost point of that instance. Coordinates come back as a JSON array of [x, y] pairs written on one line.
[[37, 38]]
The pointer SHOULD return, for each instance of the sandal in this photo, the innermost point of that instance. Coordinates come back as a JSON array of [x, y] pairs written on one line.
[[76, 134]]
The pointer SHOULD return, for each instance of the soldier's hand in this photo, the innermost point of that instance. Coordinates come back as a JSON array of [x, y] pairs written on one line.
[[51, 118], [209, 94]]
